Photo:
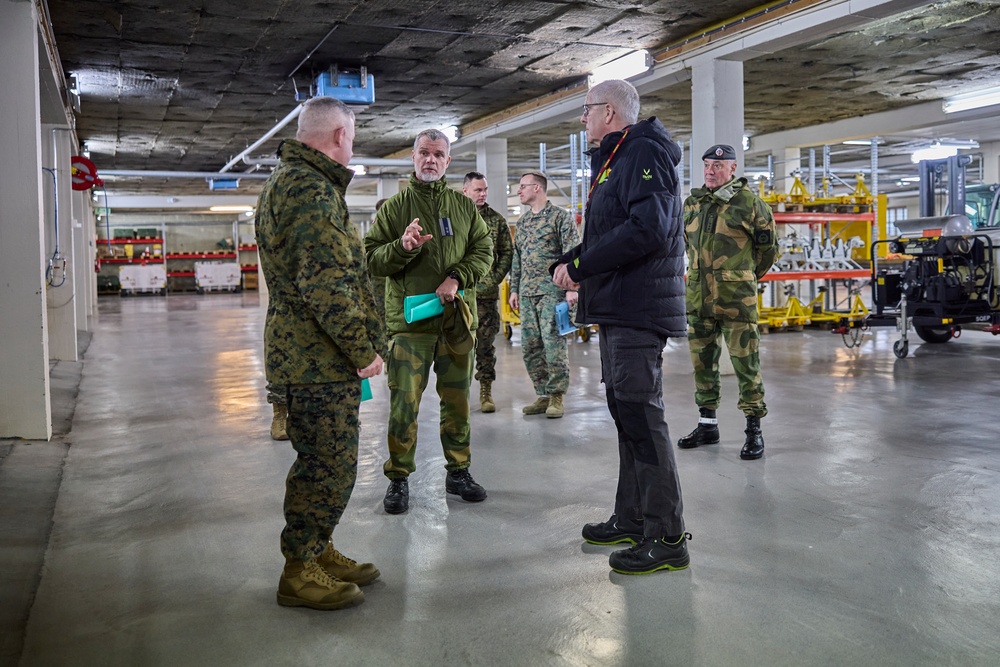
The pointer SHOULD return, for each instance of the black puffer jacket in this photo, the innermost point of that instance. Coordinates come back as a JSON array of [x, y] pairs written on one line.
[[630, 265]]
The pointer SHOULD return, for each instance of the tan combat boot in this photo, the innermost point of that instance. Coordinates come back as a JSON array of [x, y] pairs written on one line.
[[486, 397], [308, 585], [339, 566], [279, 421], [555, 409], [538, 407]]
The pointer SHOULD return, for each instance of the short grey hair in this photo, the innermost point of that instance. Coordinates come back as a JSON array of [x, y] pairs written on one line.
[[433, 135], [621, 95], [320, 116]]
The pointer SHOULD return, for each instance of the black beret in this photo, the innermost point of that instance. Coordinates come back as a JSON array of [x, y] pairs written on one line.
[[719, 152]]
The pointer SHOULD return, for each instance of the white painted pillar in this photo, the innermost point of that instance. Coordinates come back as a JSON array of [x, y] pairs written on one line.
[[25, 408], [84, 250], [61, 279], [991, 161], [388, 186], [491, 162], [716, 110], [791, 163]]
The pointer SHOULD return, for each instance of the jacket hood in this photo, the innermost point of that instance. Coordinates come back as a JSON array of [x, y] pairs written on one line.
[[649, 128]]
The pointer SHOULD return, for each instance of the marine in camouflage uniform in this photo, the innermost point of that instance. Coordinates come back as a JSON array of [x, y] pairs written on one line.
[[488, 289], [428, 239], [540, 239], [731, 244], [321, 328]]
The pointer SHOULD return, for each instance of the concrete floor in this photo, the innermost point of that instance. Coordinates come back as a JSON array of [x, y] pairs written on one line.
[[869, 534]]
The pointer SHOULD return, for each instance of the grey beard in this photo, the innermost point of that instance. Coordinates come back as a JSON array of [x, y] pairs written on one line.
[[424, 178]]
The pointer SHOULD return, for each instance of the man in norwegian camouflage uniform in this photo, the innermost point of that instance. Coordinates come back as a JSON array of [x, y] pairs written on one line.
[[544, 234], [731, 244], [488, 289], [321, 337], [454, 256]]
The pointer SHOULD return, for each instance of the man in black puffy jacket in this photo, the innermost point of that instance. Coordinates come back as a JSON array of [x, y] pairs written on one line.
[[630, 274]]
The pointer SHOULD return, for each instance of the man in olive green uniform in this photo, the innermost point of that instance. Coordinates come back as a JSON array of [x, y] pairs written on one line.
[[488, 289], [731, 244], [428, 239], [544, 234], [321, 338]]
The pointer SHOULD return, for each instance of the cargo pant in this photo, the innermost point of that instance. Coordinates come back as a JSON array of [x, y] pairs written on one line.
[[411, 359], [323, 428], [648, 485], [545, 354], [743, 342], [276, 394], [489, 327]]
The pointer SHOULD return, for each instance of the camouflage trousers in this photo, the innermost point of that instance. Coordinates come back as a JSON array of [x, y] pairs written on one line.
[[275, 394], [323, 428], [489, 326], [743, 342], [411, 358], [544, 350]]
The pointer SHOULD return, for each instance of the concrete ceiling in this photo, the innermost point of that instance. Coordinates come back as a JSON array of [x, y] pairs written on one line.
[[186, 85]]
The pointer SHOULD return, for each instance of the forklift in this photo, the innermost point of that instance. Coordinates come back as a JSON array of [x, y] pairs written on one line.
[[941, 272]]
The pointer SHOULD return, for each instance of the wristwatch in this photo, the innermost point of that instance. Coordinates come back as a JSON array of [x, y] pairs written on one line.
[[453, 274]]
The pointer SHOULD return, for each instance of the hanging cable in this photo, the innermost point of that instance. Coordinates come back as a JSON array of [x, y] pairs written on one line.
[[55, 269]]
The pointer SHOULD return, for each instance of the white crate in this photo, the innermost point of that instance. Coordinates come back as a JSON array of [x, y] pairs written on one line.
[[217, 276], [145, 279]]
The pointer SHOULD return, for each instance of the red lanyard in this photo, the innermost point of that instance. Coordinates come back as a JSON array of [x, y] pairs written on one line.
[[604, 169]]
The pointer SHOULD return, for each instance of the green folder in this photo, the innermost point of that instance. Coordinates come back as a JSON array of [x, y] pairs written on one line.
[[421, 306], [366, 389]]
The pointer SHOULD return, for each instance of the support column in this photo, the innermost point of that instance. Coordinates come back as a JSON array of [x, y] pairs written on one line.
[[491, 162], [25, 408], [716, 110], [84, 250], [388, 186], [791, 163], [991, 161], [59, 248]]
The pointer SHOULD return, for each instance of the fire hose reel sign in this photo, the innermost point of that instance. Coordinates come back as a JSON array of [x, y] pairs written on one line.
[[84, 173]]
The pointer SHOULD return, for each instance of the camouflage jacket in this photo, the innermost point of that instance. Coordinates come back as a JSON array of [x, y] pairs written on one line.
[[503, 252], [731, 244], [467, 250], [539, 240], [321, 322]]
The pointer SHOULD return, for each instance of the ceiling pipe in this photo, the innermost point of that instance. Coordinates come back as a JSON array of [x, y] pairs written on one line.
[[270, 133], [131, 173]]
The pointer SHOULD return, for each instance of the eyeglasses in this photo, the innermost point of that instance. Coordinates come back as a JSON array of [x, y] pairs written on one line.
[[586, 107], [524, 186]]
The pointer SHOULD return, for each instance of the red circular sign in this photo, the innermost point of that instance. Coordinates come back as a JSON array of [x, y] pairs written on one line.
[[84, 173]]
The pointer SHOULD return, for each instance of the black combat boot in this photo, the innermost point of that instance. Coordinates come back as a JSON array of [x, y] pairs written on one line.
[[753, 448], [706, 433]]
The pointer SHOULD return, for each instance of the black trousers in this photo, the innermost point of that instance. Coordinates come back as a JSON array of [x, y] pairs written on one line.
[[648, 485]]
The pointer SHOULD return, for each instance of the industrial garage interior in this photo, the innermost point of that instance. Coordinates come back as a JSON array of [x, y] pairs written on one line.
[[141, 491]]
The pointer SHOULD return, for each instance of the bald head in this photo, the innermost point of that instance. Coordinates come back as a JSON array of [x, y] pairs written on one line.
[[327, 125]]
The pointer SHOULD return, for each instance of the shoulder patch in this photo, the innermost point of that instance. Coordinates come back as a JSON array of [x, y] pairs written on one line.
[[762, 237]]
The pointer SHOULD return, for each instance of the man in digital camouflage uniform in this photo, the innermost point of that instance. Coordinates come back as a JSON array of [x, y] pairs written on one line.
[[488, 289], [731, 244], [428, 239], [544, 234], [321, 337]]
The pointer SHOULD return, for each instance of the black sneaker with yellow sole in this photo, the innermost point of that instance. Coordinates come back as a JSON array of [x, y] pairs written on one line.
[[652, 554], [613, 531]]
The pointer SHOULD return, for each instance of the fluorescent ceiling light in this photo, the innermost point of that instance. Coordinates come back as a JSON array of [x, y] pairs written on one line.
[[982, 98], [935, 152], [637, 62], [451, 132], [230, 209]]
